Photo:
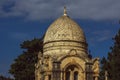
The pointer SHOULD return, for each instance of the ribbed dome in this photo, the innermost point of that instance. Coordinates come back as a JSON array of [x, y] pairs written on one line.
[[64, 28], [63, 35]]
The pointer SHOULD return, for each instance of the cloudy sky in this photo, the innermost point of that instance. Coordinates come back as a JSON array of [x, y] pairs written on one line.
[[27, 19], [45, 9]]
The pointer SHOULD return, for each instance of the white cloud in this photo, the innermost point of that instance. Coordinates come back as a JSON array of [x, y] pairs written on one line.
[[47, 9], [100, 36]]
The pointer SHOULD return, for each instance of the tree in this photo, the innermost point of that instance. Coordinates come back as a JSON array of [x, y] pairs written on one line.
[[103, 68], [23, 67], [4, 78], [112, 64]]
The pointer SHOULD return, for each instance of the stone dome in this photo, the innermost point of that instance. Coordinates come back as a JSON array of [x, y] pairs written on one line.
[[64, 28], [64, 33]]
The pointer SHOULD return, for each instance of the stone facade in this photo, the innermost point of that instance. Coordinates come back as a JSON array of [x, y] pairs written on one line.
[[65, 55]]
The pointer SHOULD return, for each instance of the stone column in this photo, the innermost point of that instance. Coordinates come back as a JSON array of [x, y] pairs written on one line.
[[71, 75], [64, 75], [46, 77], [106, 75], [96, 77]]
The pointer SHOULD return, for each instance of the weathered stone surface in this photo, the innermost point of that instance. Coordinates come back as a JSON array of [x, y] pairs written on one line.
[[65, 54]]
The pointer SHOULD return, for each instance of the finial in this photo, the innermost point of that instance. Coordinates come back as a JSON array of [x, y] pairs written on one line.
[[65, 11]]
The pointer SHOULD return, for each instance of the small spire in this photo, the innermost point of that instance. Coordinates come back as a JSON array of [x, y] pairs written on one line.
[[65, 11]]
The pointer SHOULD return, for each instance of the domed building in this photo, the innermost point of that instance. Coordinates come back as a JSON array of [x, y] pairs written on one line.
[[65, 55]]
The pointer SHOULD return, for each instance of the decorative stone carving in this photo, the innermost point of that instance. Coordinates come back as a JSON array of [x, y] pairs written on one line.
[[46, 62], [65, 51], [96, 68], [38, 66], [72, 52]]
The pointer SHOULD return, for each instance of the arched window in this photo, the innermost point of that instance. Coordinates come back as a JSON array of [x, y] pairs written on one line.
[[71, 73], [68, 75], [49, 77], [75, 75]]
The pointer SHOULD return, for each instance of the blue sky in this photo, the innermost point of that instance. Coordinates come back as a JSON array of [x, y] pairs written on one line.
[[22, 20]]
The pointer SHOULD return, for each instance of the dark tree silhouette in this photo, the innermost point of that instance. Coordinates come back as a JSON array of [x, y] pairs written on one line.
[[23, 67], [112, 63], [4, 78]]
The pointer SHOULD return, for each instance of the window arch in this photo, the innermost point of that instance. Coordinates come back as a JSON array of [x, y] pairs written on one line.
[[76, 75], [68, 75], [71, 73]]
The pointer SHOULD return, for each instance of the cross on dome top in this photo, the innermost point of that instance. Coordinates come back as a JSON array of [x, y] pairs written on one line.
[[65, 11]]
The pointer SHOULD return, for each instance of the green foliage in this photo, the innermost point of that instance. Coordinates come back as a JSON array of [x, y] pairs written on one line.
[[23, 67], [112, 64], [4, 78], [34, 45], [114, 59], [104, 67]]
